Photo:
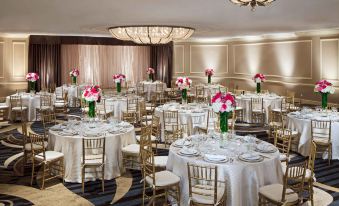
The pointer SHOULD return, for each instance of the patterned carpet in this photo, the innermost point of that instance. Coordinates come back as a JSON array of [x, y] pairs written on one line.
[[124, 191]]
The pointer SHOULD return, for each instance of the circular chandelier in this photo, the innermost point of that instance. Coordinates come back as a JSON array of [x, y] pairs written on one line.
[[151, 34], [252, 3]]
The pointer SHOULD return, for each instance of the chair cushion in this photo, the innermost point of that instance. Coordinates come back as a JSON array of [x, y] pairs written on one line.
[[205, 195], [163, 178], [60, 104], [50, 155], [28, 146], [153, 138], [145, 123], [294, 133], [132, 149], [307, 173], [3, 106], [95, 159], [274, 192], [279, 110], [46, 108], [282, 157], [18, 108], [322, 141], [258, 110], [160, 161]]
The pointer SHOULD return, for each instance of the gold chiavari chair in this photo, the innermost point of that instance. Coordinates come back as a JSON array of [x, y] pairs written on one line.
[[93, 156], [132, 104], [26, 145], [48, 119], [171, 126], [200, 93], [150, 106], [3, 109], [163, 180], [141, 90], [321, 136], [288, 193], [257, 110], [45, 104], [18, 108], [284, 105], [102, 110], [51, 161], [60, 105], [204, 186], [309, 176], [143, 117], [275, 122], [211, 122], [239, 91], [333, 106], [282, 141]]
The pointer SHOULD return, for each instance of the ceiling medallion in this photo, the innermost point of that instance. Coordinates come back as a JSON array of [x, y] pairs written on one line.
[[151, 34], [252, 3]]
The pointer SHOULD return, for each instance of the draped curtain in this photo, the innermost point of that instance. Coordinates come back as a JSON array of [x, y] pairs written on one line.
[[97, 63], [44, 59], [162, 60]]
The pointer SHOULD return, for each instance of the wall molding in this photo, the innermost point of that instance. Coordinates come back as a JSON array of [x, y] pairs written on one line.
[[24, 57], [3, 59], [272, 43], [183, 59], [209, 45], [321, 59]]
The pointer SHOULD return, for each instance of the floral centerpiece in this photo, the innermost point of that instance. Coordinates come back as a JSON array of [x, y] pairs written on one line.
[[324, 87], [224, 104], [118, 79], [209, 72], [258, 78], [183, 83], [150, 71], [32, 77], [92, 94], [74, 74]]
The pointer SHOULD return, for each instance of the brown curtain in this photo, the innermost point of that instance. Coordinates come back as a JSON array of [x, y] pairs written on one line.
[[162, 61], [44, 59]]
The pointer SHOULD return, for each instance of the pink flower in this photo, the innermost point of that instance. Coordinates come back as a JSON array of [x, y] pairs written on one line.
[[223, 102], [92, 93], [32, 77], [150, 71], [324, 86], [258, 78], [183, 83], [74, 73], [119, 78], [209, 72]]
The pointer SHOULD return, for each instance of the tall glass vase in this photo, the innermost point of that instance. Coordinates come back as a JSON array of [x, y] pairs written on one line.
[[91, 109], [74, 80], [324, 97], [184, 96], [224, 122], [150, 77], [118, 87], [209, 79], [31, 87], [258, 88]]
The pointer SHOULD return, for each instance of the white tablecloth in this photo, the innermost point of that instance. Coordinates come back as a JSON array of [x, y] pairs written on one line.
[[210, 90], [31, 101], [303, 126], [243, 179], [150, 87], [72, 90], [191, 115], [244, 101], [71, 147], [118, 104]]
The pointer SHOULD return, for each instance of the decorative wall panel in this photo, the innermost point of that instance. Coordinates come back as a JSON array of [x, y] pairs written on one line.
[[19, 59], [330, 59]]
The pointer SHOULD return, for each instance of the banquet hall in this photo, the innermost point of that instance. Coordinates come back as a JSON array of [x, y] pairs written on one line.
[[181, 102]]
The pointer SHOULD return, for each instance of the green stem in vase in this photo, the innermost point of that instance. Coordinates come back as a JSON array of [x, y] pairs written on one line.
[[31, 86], [224, 122], [150, 77], [91, 109], [118, 87], [258, 88], [74, 80], [209, 79], [324, 97], [184, 95]]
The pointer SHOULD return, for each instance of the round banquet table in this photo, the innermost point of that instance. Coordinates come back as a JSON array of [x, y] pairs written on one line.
[[301, 122], [31, 101], [244, 101], [192, 115], [118, 104], [243, 179], [150, 87], [71, 147]]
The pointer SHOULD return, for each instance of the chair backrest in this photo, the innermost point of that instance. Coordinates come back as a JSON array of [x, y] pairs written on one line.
[[48, 119], [59, 92], [45, 100], [156, 130], [140, 89], [159, 87], [282, 141], [321, 130], [257, 104], [145, 136], [130, 117], [203, 178], [275, 118], [311, 158], [170, 118], [101, 106], [294, 179], [147, 159], [37, 145], [132, 104], [199, 91], [16, 101], [93, 149], [212, 119]]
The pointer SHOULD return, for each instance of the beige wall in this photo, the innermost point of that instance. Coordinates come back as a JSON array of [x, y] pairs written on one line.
[[13, 64], [293, 64]]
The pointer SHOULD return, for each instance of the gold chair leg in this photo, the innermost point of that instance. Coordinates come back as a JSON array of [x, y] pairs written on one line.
[[32, 177], [83, 180], [43, 176], [103, 178], [178, 194]]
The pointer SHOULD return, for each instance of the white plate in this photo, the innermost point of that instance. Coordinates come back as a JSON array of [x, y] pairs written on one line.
[[216, 161], [250, 158]]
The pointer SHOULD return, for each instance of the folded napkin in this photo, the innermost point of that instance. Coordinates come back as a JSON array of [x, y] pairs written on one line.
[[265, 147], [186, 150], [214, 157], [91, 134], [250, 156]]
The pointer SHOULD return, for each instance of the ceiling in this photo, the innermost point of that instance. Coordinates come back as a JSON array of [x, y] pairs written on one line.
[[210, 18]]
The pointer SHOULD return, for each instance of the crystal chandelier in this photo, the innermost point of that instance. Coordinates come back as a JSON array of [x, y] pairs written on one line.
[[252, 3], [151, 34]]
